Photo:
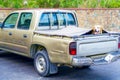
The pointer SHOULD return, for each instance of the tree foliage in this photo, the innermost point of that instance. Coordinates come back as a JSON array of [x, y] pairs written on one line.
[[60, 4]]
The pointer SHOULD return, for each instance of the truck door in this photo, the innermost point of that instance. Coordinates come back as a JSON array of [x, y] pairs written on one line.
[[7, 31], [23, 33]]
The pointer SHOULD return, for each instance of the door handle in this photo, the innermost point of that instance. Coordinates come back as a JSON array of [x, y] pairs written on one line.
[[25, 36], [10, 33]]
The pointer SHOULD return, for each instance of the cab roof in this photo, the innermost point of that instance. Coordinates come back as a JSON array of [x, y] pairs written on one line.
[[44, 10]]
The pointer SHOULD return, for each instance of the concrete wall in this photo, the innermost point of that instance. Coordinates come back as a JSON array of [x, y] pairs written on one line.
[[109, 18], [4, 13]]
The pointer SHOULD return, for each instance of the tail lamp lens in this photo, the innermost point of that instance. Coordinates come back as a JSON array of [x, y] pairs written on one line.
[[119, 45], [72, 48]]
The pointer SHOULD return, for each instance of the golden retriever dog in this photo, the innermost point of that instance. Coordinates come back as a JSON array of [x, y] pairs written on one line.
[[97, 29]]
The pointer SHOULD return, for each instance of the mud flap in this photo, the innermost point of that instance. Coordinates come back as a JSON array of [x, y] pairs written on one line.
[[53, 68]]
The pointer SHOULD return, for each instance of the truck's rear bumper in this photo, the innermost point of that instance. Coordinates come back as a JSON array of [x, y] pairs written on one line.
[[95, 60]]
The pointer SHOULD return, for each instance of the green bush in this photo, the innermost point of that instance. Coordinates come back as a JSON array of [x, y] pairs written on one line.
[[60, 4]]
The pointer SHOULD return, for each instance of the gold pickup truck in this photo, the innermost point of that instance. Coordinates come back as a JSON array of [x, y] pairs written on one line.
[[52, 38]]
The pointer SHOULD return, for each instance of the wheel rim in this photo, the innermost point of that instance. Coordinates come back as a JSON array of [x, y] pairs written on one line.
[[41, 64]]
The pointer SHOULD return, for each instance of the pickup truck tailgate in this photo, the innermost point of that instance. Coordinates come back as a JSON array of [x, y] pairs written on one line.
[[96, 45]]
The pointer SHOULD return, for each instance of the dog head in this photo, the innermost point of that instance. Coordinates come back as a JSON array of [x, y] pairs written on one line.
[[97, 29]]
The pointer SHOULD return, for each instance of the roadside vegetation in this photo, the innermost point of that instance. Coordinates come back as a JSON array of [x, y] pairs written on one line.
[[59, 3]]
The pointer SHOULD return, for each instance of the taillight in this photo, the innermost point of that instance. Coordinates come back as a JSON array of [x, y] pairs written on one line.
[[119, 42], [119, 45], [72, 48]]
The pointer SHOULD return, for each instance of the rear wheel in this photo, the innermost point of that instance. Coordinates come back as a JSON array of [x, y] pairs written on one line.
[[43, 65]]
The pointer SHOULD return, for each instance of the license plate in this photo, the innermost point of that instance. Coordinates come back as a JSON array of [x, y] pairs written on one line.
[[109, 58]]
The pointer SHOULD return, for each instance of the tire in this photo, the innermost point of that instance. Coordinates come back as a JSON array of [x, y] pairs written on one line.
[[43, 65]]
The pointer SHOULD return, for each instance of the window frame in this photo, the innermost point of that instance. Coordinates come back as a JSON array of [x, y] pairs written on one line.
[[51, 21], [53, 26], [75, 22], [3, 25], [48, 26], [20, 20]]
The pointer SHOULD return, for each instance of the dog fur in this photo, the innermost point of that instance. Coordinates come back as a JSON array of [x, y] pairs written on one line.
[[97, 29]]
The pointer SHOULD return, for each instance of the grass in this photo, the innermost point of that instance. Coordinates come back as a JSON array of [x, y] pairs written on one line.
[[60, 4]]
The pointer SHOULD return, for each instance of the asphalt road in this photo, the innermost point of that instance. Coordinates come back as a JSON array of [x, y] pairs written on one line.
[[16, 67]]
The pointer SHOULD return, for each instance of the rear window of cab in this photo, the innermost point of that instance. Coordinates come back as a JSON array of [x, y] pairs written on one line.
[[56, 20]]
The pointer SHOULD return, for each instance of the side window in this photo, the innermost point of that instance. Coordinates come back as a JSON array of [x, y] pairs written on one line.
[[10, 22], [70, 19], [44, 22], [24, 21]]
